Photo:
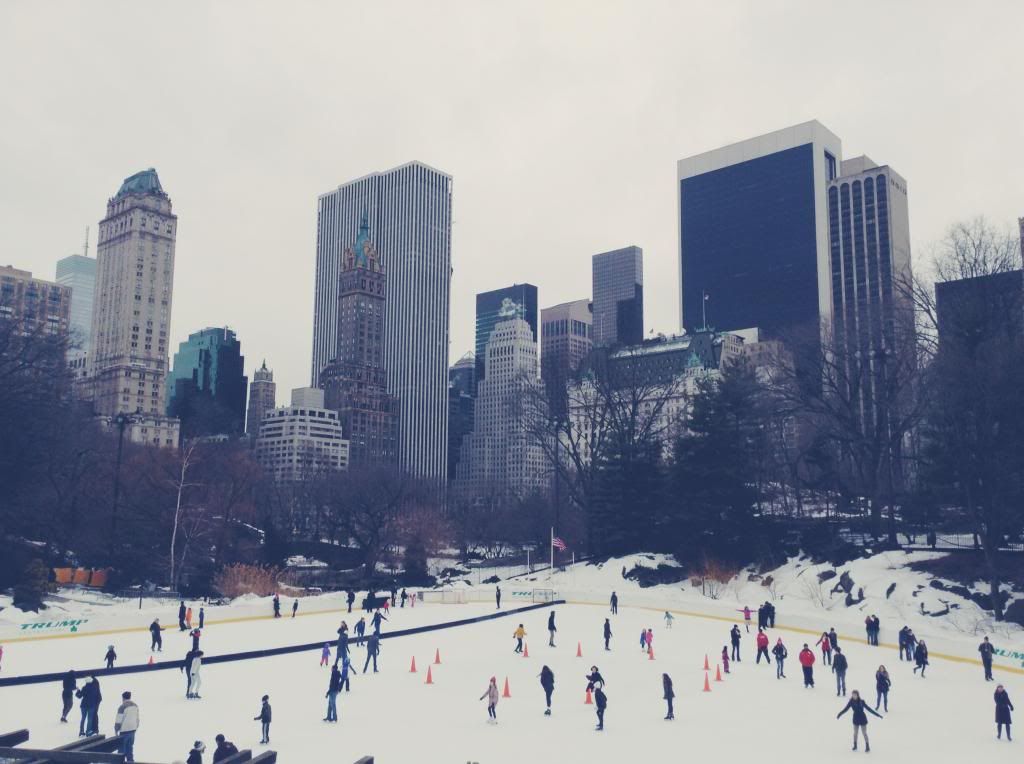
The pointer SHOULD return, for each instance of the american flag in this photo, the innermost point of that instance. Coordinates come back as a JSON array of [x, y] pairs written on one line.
[[557, 543]]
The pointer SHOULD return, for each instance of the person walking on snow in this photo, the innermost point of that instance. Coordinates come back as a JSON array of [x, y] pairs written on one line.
[[491, 693], [67, 694], [181, 616], [264, 717], [734, 638], [372, 651], [921, 657], [1003, 709], [826, 648], [600, 704], [551, 629], [126, 724], [882, 685], [762, 647], [607, 633], [615, 603], [202, 617], [839, 666], [746, 617], [806, 659], [110, 657], [547, 681], [669, 618], [333, 688], [725, 659], [518, 636], [987, 651], [860, 718], [779, 651], [669, 694], [156, 641], [295, 607], [325, 654], [277, 606]]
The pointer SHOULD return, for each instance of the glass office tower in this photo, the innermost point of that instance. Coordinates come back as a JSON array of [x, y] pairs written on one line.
[[618, 290], [488, 309]]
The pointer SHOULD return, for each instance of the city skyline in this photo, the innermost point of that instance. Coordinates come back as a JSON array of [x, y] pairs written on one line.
[[502, 158]]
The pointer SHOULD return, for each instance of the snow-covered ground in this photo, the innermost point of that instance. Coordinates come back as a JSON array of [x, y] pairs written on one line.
[[393, 715]]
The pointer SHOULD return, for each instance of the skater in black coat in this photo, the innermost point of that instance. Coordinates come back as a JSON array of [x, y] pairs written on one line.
[[594, 678], [377, 618], [195, 756], [547, 681], [607, 633], [372, 651], [882, 685], [601, 703], [551, 629], [780, 653], [350, 598], [987, 650], [839, 667], [669, 694], [110, 657], [860, 718], [333, 688], [615, 603], [67, 693], [181, 616], [734, 638], [225, 748], [264, 718], [277, 606], [1003, 709], [156, 638], [921, 657]]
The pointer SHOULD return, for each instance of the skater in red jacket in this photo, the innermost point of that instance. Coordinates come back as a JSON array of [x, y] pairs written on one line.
[[806, 658], [762, 647]]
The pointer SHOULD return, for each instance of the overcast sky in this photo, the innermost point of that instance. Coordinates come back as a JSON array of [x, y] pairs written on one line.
[[561, 123]]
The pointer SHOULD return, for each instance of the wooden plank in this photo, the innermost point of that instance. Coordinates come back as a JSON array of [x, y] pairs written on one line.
[[9, 739], [60, 757]]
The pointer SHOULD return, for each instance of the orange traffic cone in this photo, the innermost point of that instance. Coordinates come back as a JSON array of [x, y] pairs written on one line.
[[430, 677], [707, 684], [707, 666], [151, 660], [526, 651], [579, 649], [505, 693], [412, 668], [590, 700], [650, 653], [437, 657], [718, 673]]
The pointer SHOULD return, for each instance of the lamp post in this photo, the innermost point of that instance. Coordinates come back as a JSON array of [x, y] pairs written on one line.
[[122, 420]]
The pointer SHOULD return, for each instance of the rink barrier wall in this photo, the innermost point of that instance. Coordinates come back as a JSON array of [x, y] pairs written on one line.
[[211, 660], [570, 599]]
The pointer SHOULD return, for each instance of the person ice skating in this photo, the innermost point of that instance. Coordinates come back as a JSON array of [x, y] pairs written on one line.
[[361, 627], [911, 644], [188, 618], [987, 651], [333, 688], [669, 618], [868, 629], [643, 639], [372, 651], [780, 653], [650, 640], [826, 649], [91, 698], [394, 595], [902, 639], [882, 685], [762, 617], [725, 659], [202, 617], [607, 633], [195, 634], [181, 616], [600, 704], [806, 659], [110, 657], [594, 678], [551, 629], [377, 618], [497, 598], [277, 606], [833, 638], [547, 681], [156, 641], [876, 627], [126, 724], [325, 654], [839, 666], [295, 607], [342, 652], [195, 755], [860, 718], [264, 717], [734, 639], [67, 694], [225, 748], [769, 610], [921, 657], [746, 617], [194, 664], [346, 670], [762, 647], [491, 693], [387, 606], [350, 598], [1003, 709], [615, 603], [669, 694], [518, 636], [404, 598]]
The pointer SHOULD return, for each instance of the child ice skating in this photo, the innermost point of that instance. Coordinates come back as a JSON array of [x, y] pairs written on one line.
[[491, 693], [669, 618], [518, 635], [110, 657], [325, 654]]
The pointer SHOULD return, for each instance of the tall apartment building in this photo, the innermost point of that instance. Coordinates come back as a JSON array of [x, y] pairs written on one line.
[[132, 309], [262, 398], [565, 338], [409, 211], [489, 310], [618, 290], [461, 402], [36, 305], [501, 454], [754, 232], [303, 440], [354, 382], [207, 384]]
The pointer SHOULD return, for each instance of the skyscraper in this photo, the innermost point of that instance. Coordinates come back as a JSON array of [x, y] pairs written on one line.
[[618, 288], [208, 384], [262, 398], [565, 338], [409, 211], [36, 305], [354, 382], [78, 273], [132, 309], [302, 440], [753, 232], [489, 306], [461, 401]]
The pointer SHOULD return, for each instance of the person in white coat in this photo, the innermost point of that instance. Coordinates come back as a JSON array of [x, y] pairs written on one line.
[[194, 680], [126, 723]]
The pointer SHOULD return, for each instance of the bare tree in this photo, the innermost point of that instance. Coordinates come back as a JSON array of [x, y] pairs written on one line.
[[181, 484]]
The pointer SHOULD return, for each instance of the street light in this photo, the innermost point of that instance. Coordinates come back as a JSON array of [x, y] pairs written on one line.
[[122, 420]]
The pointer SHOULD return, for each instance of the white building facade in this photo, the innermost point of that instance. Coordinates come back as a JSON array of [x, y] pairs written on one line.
[[302, 440]]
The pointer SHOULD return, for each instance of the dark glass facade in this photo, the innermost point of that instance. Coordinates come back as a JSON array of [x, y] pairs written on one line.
[[488, 309], [207, 386], [749, 244]]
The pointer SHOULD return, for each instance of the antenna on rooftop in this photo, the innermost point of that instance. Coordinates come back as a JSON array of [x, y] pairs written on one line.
[[85, 245]]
